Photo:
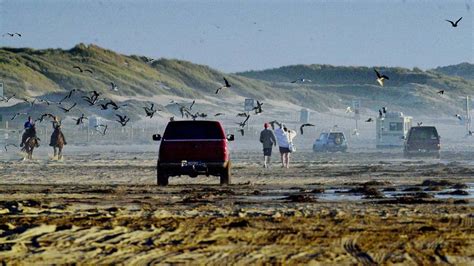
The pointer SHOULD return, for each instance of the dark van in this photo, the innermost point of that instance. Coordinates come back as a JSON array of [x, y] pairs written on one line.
[[193, 148], [423, 140]]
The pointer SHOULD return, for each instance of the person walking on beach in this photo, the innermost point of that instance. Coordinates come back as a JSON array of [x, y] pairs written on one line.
[[285, 138], [267, 138]]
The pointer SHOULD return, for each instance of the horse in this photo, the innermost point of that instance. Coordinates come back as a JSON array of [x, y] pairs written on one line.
[[31, 143], [57, 142]]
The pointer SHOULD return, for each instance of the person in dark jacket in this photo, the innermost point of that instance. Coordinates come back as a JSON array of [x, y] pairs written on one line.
[[267, 138], [28, 133]]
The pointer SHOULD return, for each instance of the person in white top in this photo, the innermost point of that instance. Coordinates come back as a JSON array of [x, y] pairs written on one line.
[[284, 138]]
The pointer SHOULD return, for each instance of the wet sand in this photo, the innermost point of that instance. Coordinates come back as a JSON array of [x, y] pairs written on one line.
[[366, 207]]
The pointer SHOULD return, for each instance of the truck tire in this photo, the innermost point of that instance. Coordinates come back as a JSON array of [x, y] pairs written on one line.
[[225, 175], [162, 178]]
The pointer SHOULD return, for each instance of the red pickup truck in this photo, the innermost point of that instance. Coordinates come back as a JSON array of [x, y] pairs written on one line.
[[193, 148]]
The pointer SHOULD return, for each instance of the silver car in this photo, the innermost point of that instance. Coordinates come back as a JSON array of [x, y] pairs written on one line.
[[330, 142]]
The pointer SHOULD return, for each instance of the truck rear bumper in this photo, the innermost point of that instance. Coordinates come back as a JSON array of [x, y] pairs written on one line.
[[193, 168]]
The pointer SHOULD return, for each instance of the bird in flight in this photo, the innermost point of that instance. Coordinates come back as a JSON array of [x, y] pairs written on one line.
[[68, 96], [66, 110], [226, 85], [380, 78], [113, 86], [83, 70], [272, 123], [101, 132], [28, 101], [10, 144], [369, 120], [12, 34], [80, 120], [44, 101], [242, 114], [6, 99], [302, 80], [454, 24], [419, 124], [123, 120], [242, 124], [441, 92], [258, 108], [150, 111], [305, 125], [91, 100], [41, 118], [17, 114], [458, 117]]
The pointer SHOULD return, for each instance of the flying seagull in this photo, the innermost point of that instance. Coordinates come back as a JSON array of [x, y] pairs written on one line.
[[302, 80], [123, 120], [380, 78], [242, 124], [258, 108], [242, 114], [10, 144], [454, 24], [17, 114], [305, 125], [12, 34], [113, 86], [80, 120], [28, 101], [82, 70], [226, 85], [369, 120], [419, 124], [68, 96], [6, 99], [272, 123], [101, 132], [41, 118], [66, 110], [91, 100], [150, 111]]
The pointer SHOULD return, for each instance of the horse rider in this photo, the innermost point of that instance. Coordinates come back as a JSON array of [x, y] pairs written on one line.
[[56, 130], [28, 133]]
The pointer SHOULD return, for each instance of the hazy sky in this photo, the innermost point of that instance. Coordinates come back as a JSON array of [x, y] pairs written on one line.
[[254, 34]]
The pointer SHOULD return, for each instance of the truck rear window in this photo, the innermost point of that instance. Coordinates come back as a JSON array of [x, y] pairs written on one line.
[[193, 130], [423, 133]]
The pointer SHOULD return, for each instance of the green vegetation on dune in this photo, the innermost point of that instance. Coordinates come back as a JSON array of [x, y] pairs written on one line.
[[50, 72], [464, 70]]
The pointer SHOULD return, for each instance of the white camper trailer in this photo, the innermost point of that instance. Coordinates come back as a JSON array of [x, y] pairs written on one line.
[[391, 128]]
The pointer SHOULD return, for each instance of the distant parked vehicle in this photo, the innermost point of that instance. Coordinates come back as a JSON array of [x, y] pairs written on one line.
[[422, 140], [193, 148], [330, 142]]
